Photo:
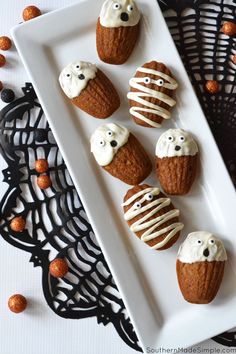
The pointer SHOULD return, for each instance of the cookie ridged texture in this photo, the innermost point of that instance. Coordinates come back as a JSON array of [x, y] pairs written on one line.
[[131, 164], [100, 98], [115, 45], [156, 240], [199, 282], [177, 174], [155, 118]]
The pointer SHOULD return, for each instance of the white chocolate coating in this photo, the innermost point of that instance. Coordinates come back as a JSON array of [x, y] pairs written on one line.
[[106, 141], [176, 142], [202, 246], [119, 13], [75, 77], [145, 92], [151, 225]]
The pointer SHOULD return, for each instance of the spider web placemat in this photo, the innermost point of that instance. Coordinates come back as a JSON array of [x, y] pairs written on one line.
[[57, 225]]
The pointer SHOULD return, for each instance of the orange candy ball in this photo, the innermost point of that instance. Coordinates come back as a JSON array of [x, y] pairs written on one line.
[[17, 224], [17, 303], [212, 86], [234, 59], [2, 60], [5, 43], [31, 12], [229, 28], [41, 166], [44, 181], [58, 268]]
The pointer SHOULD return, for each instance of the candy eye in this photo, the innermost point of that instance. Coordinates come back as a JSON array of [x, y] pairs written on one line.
[[212, 242], [199, 242], [147, 80], [77, 66], [160, 82], [110, 133], [182, 139], [130, 8], [137, 206], [116, 6], [170, 138], [101, 143], [68, 75], [149, 197]]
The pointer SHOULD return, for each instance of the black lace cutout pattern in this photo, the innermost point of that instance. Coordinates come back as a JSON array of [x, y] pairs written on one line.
[[57, 225]]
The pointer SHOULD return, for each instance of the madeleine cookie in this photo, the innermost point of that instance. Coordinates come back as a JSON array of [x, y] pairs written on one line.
[[200, 267], [152, 216], [117, 30], [89, 89], [120, 153], [150, 96], [176, 161]]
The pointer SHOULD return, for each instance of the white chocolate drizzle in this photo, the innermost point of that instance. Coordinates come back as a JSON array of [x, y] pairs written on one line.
[[145, 92], [150, 226]]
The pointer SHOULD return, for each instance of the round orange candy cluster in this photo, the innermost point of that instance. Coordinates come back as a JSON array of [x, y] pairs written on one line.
[[30, 12], [58, 268], [17, 303], [17, 224], [212, 86], [5, 43]]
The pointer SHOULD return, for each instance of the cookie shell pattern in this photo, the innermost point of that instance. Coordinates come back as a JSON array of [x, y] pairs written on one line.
[[176, 161], [129, 161], [200, 267], [152, 216], [89, 89], [150, 96], [115, 45], [117, 31]]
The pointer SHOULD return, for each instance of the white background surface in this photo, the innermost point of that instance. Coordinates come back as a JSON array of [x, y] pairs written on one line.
[[39, 330]]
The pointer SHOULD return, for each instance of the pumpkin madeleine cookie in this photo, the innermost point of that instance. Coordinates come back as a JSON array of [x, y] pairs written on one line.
[[117, 30], [120, 153], [200, 267], [176, 161], [152, 216], [150, 96], [89, 89]]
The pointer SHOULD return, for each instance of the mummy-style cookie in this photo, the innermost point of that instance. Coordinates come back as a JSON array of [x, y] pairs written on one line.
[[88, 88], [120, 153], [200, 267], [176, 161], [150, 96], [152, 216], [117, 30]]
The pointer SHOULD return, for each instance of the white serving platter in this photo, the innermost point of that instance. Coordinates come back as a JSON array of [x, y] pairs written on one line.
[[146, 278]]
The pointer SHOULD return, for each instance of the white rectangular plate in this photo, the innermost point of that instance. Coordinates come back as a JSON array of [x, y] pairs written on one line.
[[146, 278]]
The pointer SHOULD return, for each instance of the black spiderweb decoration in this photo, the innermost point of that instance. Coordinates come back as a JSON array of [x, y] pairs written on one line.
[[207, 55], [57, 225]]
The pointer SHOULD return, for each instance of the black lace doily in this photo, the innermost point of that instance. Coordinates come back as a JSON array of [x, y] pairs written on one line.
[[57, 225]]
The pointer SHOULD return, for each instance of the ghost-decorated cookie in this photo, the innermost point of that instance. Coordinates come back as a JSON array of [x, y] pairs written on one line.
[[152, 217], [176, 161], [117, 30], [200, 267], [151, 94], [88, 88], [118, 152]]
